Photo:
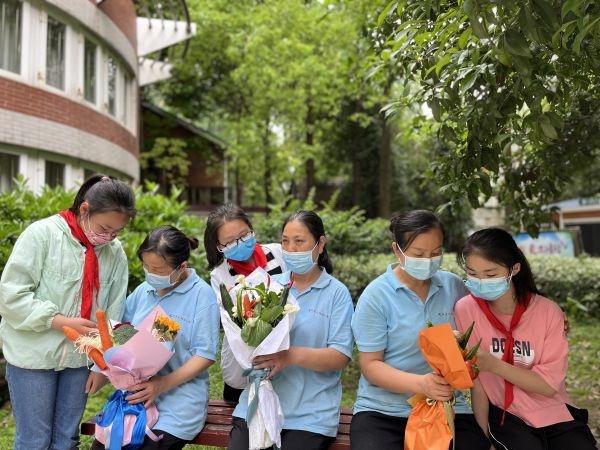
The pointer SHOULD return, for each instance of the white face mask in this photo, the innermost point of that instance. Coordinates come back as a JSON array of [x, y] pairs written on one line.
[[299, 262], [159, 281], [420, 268]]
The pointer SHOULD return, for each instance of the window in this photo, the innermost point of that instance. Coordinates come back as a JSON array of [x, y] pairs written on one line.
[[55, 54], [198, 196], [10, 35], [9, 168], [89, 71], [126, 100], [55, 174], [112, 85]]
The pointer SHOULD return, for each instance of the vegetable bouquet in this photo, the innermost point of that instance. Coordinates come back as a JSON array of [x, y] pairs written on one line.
[[257, 316], [127, 356]]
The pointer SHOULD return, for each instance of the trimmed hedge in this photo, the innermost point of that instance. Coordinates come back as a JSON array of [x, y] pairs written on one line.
[[572, 282]]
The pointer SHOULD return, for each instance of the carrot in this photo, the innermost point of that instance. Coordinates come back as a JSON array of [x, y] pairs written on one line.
[[103, 330], [71, 333], [95, 355]]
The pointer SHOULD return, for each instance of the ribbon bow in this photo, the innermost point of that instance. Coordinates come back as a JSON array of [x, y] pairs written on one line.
[[256, 376], [114, 413]]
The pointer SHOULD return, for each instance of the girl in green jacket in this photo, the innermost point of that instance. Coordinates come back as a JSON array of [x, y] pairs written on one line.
[[60, 271]]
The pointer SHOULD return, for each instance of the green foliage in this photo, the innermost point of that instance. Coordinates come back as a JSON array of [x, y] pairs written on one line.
[[513, 86], [268, 77], [20, 207], [169, 158], [348, 232], [359, 246], [572, 282], [254, 334]]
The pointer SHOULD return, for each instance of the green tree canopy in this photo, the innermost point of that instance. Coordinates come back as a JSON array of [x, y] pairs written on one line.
[[513, 86]]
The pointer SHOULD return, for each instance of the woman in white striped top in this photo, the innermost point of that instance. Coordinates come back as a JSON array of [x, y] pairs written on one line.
[[232, 250]]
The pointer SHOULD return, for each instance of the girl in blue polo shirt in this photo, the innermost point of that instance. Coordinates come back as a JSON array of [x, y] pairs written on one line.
[[389, 315], [307, 376], [179, 390]]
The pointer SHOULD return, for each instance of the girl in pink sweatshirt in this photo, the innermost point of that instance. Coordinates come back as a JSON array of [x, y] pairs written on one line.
[[520, 397]]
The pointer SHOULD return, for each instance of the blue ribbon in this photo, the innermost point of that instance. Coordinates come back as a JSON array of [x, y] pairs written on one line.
[[114, 412], [256, 376]]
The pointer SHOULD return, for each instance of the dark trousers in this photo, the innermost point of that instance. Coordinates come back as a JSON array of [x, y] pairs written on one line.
[[231, 394], [168, 442], [515, 434], [290, 439], [370, 430]]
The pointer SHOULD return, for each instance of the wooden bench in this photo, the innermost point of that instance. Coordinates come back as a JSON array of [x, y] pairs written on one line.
[[218, 424]]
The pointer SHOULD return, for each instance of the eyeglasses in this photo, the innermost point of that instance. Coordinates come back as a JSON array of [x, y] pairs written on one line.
[[229, 246]]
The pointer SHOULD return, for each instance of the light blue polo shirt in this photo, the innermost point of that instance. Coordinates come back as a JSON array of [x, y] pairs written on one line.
[[389, 317], [182, 410], [310, 400]]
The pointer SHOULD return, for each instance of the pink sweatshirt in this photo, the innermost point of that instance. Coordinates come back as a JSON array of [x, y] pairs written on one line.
[[540, 346]]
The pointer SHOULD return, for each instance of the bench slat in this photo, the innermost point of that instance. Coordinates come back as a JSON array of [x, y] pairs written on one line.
[[218, 419]]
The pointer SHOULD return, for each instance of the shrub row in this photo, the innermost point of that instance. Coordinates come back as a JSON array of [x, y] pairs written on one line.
[[572, 282], [359, 246]]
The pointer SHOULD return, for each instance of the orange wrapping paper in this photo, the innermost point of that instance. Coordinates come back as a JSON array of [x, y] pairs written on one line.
[[430, 425]]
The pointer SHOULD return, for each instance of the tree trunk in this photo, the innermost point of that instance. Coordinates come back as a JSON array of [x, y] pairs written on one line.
[[238, 192], [310, 163], [385, 159], [164, 188], [356, 181], [385, 168], [267, 166]]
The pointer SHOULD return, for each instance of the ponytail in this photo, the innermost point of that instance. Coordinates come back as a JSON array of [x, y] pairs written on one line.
[[169, 243], [105, 194]]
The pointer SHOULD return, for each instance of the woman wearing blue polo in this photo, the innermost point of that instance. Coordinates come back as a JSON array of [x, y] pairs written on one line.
[[180, 390], [389, 315], [307, 376]]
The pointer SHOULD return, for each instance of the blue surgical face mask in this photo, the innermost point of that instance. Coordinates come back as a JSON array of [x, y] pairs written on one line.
[[489, 289], [299, 262], [159, 281], [420, 268], [242, 251]]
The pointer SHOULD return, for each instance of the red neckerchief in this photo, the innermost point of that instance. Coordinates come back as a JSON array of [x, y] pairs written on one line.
[[91, 276], [510, 341], [259, 259]]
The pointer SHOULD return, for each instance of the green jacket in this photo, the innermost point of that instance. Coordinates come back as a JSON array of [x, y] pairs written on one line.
[[42, 278]]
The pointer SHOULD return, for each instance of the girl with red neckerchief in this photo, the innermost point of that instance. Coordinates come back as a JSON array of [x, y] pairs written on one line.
[[520, 397], [60, 271], [232, 250]]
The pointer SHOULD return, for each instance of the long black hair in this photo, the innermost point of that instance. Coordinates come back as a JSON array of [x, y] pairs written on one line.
[[105, 194], [313, 222], [216, 219], [169, 243], [498, 246], [406, 226]]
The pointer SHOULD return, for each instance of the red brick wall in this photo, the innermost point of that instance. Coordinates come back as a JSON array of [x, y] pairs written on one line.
[[123, 15], [36, 102]]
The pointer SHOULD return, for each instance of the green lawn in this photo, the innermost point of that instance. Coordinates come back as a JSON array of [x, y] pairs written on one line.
[[583, 384]]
